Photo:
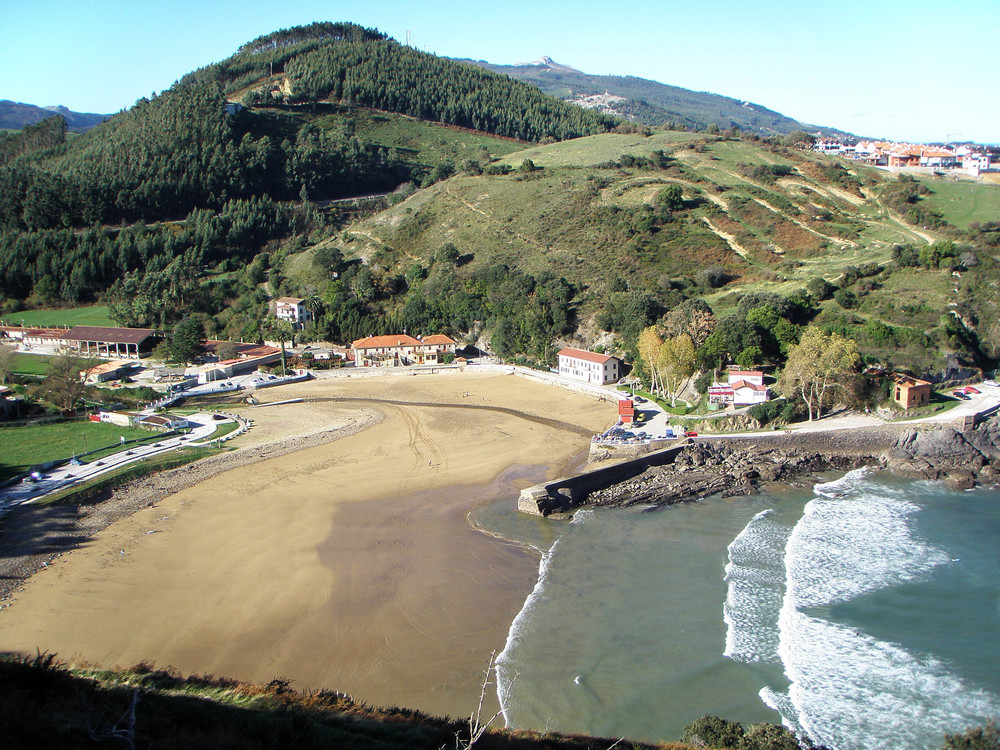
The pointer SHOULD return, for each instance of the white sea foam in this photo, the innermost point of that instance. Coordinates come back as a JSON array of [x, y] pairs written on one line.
[[754, 588], [850, 480], [850, 690], [505, 672], [842, 548]]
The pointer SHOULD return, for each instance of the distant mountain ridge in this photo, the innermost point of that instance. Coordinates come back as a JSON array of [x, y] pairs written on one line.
[[15, 115], [650, 102]]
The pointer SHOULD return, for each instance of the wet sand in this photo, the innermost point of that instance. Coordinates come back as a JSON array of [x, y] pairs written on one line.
[[348, 565]]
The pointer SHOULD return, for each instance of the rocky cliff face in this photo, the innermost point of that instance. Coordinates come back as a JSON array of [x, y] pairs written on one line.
[[963, 460]]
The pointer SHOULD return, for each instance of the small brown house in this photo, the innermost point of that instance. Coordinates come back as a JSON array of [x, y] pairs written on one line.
[[909, 392]]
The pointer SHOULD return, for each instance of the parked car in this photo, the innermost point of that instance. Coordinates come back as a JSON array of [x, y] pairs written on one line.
[[991, 383], [969, 389], [690, 433], [959, 394]]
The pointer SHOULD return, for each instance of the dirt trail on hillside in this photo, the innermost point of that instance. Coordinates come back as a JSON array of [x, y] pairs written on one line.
[[730, 240]]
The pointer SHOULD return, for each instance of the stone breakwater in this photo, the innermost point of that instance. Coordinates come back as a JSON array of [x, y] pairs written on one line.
[[742, 466]]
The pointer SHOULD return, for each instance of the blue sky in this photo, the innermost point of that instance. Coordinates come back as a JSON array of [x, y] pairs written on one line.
[[921, 70]]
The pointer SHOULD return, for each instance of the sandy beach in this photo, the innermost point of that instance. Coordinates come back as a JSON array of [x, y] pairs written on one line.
[[348, 564]]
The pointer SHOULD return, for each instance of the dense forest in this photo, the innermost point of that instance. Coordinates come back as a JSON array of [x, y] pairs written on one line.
[[46, 134], [173, 153], [396, 78]]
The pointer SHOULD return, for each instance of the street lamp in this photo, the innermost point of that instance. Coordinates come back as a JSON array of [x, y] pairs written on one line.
[[84, 433]]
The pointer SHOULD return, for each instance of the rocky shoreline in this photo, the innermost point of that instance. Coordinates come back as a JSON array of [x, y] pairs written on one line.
[[744, 466]]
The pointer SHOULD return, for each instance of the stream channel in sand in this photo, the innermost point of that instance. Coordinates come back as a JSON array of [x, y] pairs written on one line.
[[349, 565]]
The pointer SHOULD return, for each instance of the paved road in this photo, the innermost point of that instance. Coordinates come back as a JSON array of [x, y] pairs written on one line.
[[57, 479], [988, 399]]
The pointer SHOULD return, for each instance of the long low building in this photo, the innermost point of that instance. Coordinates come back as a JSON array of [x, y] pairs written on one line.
[[112, 343]]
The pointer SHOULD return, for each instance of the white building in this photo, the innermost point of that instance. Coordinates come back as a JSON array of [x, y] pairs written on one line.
[[589, 367], [743, 388], [292, 309]]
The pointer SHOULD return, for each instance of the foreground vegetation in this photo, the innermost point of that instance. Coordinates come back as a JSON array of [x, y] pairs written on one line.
[[43, 703]]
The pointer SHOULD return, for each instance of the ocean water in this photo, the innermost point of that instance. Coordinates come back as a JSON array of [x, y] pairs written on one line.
[[864, 612]]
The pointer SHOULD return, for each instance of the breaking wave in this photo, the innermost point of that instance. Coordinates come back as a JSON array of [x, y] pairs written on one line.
[[847, 689]]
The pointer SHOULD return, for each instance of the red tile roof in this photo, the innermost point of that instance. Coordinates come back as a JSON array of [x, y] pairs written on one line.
[[381, 342], [585, 355], [437, 338], [745, 384]]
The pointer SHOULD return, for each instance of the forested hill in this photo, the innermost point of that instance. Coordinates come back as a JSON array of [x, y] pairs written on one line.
[[351, 65], [233, 179], [181, 150], [654, 103]]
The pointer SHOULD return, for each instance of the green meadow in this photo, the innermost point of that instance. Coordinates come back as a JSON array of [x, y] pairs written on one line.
[[96, 315]]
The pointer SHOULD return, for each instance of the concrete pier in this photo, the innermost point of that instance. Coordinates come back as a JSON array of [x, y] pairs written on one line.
[[567, 493]]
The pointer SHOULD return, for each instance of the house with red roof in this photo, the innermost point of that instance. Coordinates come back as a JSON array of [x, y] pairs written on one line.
[[400, 349], [589, 367], [742, 388]]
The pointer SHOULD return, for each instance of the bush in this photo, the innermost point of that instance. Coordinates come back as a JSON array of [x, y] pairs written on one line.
[[820, 289], [768, 737], [978, 738], [845, 298], [777, 410], [711, 731]]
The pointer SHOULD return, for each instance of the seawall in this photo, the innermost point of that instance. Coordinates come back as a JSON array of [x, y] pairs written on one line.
[[567, 493]]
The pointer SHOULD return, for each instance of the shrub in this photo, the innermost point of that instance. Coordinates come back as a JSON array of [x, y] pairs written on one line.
[[845, 298], [978, 738], [776, 410], [820, 289], [712, 731]]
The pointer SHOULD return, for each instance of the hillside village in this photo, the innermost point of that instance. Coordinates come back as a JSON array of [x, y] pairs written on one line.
[[969, 159]]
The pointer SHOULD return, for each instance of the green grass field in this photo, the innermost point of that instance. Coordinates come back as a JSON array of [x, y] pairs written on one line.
[[31, 364], [96, 315], [426, 143], [961, 202], [23, 447]]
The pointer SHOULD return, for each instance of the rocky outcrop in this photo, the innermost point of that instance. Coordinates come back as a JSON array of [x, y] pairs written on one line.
[[962, 459], [740, 466], [727, 468]]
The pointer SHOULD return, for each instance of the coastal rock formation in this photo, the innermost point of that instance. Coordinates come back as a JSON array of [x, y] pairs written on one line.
[[963, 460], [739, 466], [728, 468]]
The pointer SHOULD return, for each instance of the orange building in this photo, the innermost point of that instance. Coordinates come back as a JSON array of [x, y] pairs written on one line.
[[909, 392]]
